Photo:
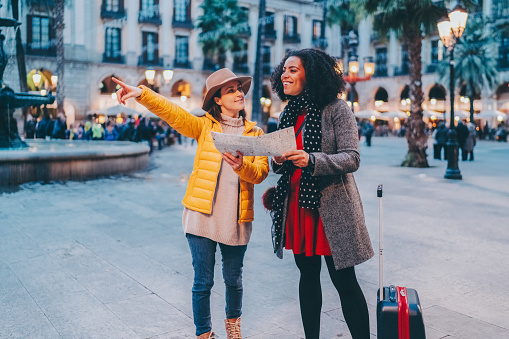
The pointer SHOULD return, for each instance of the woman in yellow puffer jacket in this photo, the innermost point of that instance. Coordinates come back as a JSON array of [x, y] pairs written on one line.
[[218, 205]]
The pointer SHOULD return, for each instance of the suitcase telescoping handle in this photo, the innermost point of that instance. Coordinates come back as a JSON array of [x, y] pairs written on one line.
[[380, 242]]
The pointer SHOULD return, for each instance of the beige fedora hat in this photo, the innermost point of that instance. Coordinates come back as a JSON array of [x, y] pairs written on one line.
[[217, 80]]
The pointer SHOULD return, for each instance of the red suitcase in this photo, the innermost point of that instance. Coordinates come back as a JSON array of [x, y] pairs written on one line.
[[399, 312]]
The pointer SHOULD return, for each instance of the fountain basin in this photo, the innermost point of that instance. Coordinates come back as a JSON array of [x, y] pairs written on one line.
[[63, 160]]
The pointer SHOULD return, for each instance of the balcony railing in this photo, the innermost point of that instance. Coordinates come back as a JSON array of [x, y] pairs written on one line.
[[32, 49], [188, 23], [209, 65], [245, 33], [380, 71], [432, 68], [240, 68], [267, 69], [109, 14], [119, 59], [182, 64], [403, 70], [270, 35], [143, 61], [294, 38], [149, 17]]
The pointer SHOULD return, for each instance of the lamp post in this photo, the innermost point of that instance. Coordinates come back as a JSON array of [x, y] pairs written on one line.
[[353, 67], [450, 30]]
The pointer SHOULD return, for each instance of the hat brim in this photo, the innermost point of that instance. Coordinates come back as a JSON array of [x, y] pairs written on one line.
[[245, 82]]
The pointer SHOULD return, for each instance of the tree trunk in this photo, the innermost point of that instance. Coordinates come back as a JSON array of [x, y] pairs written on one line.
[[416, 137], [59, 32], [20, 58]]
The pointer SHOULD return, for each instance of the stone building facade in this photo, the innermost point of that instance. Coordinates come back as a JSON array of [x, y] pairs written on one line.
[[126, 37], [387, 90]]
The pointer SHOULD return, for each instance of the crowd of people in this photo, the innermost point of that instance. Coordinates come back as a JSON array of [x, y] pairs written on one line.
[[467, 136], [138, 129]]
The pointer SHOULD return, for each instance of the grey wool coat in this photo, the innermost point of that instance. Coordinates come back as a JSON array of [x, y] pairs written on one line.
[[340, 206]]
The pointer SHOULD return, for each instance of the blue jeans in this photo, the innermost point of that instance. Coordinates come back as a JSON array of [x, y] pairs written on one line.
[[203, 252]]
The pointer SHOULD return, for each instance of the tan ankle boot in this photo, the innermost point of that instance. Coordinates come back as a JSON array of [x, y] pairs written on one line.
[[208, 335], [233, 329]]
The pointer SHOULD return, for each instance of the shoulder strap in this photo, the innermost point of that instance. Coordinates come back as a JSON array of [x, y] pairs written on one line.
[[301, 127]]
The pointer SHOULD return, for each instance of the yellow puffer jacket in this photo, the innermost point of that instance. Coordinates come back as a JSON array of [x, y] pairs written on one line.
[[207, 162]]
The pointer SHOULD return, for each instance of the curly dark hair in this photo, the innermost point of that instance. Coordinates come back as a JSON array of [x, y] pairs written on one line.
[[324, 78]]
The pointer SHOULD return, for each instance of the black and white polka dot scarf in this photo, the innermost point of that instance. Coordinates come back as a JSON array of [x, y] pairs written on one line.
[[309, 193]]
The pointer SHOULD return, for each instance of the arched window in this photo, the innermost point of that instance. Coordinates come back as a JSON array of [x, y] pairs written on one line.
[[381, 97], [437, 92], [107, 86], [145, 82], [405, 96], [502, 92], [405, 93], [181, 89], [266, 99]]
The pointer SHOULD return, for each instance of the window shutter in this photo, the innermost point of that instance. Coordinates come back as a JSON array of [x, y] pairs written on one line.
[[119, 34], [29, 31], [188, 10], [144, 46], [156, 51], [107, 51], [52, 36], [121, 5]]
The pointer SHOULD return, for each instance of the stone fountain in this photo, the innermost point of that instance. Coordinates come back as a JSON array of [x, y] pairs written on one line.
[[55, 160], [9, 100]]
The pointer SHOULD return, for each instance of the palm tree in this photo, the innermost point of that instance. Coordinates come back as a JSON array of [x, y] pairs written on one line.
[[59, 35], [346, 15], [410, 19], [340, 12], [476, 64], [221, 23]]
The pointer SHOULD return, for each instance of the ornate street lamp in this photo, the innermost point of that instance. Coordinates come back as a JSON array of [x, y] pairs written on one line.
[[353, 68], [450, 30]]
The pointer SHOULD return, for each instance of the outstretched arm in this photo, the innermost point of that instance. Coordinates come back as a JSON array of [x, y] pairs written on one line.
[[181, 120]]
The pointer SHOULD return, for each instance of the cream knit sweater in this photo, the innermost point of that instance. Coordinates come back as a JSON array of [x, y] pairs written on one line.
[[222, 224]]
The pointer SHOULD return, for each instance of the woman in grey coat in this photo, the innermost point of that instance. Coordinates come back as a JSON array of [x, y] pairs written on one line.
[[317, 210]]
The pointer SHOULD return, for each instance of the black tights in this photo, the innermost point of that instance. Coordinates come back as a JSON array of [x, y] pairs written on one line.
[[353, 303]]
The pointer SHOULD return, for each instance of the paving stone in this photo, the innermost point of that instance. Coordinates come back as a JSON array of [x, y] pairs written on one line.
[[150, 315], [462, 326], [107, 258]]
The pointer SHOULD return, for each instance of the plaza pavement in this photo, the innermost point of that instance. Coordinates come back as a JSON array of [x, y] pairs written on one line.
[[107, 258]]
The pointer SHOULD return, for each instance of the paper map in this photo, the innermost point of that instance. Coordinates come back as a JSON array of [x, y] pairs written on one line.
[[272, 144]]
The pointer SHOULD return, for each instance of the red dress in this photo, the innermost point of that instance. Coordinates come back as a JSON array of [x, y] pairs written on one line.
[[304, 228]]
